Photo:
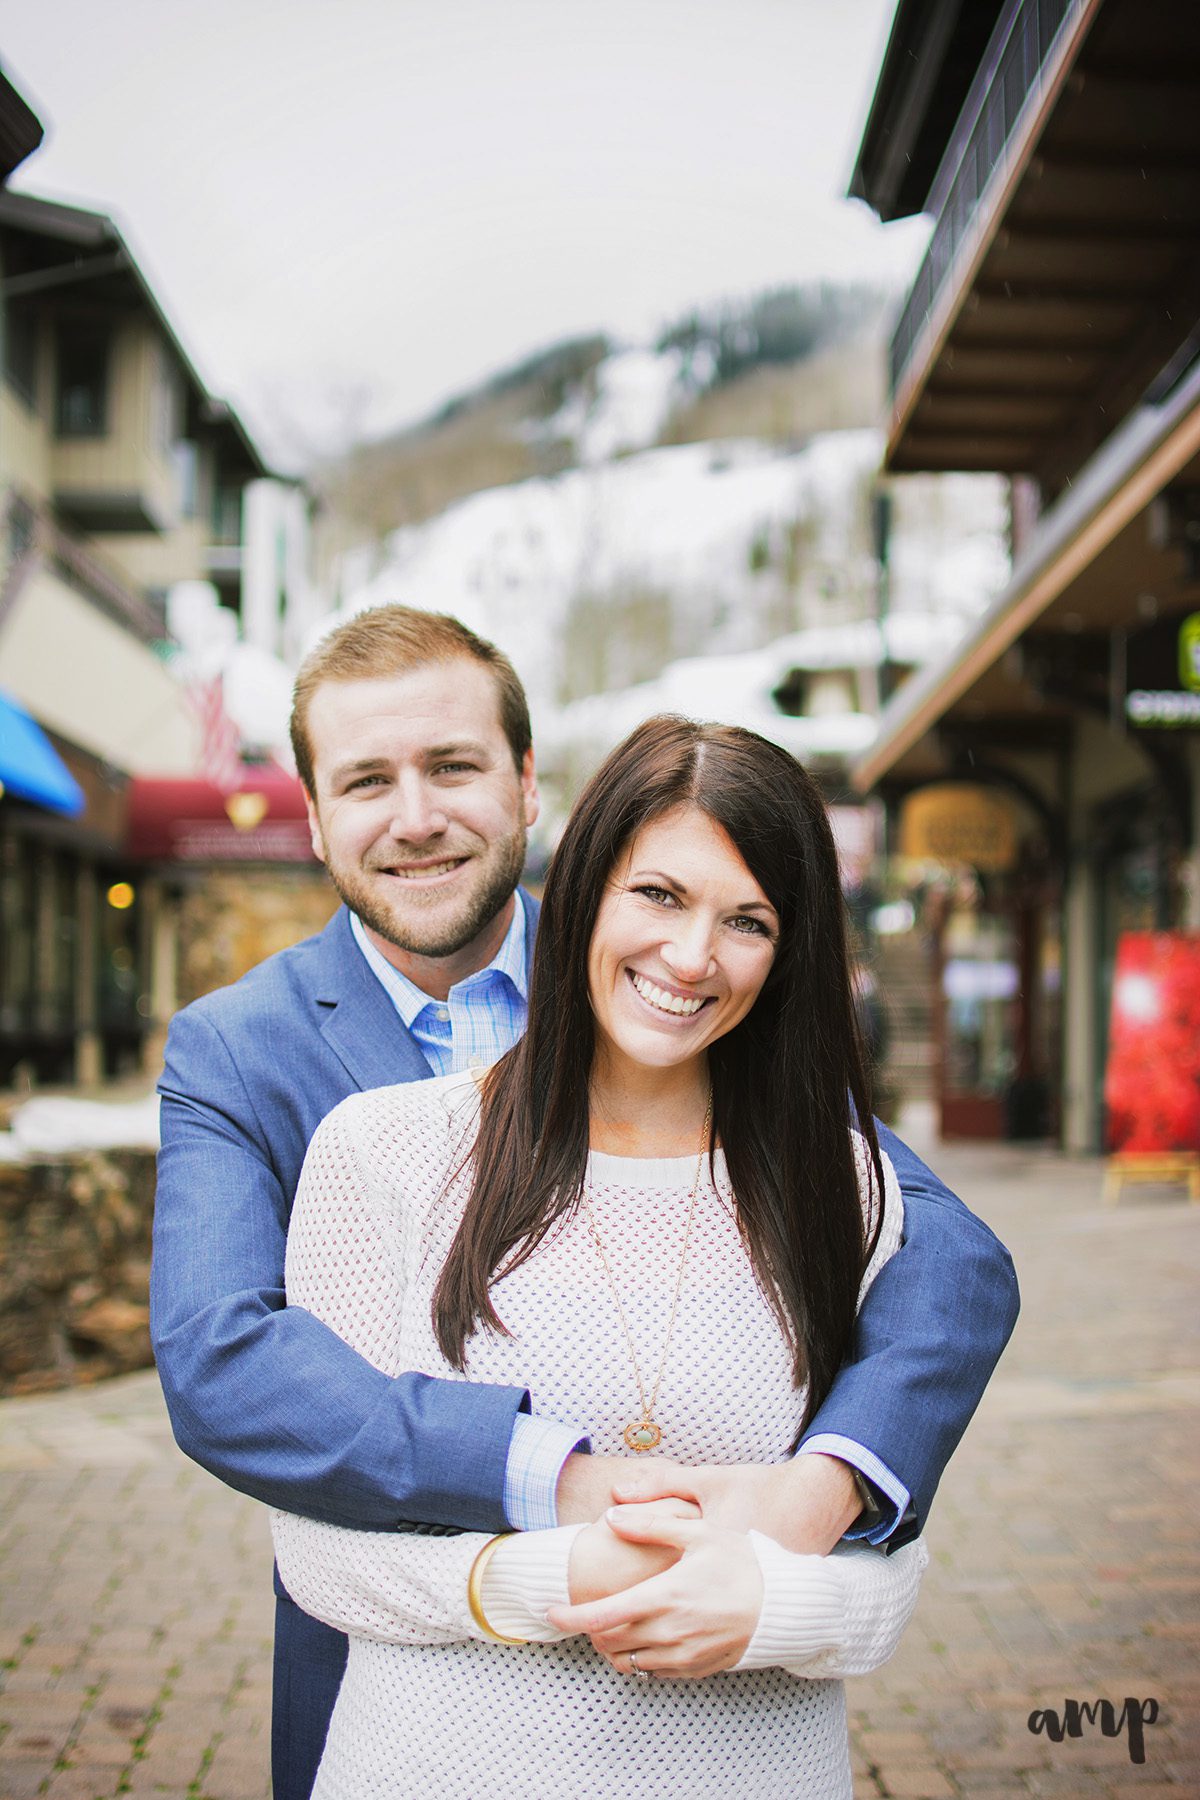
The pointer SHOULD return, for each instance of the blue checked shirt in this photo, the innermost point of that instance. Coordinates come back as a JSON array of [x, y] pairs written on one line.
[[478, 1021]]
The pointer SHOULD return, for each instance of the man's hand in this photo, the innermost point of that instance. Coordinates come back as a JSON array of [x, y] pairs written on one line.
[[587, 1483], [806, 1504]]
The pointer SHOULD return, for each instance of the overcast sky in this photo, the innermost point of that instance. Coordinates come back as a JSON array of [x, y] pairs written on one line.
[[352, 209]]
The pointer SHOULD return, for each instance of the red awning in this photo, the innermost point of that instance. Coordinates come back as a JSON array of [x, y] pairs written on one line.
[[262, 820]]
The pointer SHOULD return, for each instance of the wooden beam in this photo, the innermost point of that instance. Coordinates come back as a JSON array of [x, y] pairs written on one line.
[[1091, 159], [1140, 76], [1059, 292], [1059, 348], [1031, 412], [946, 388], [1103, 234], [1002, 453]]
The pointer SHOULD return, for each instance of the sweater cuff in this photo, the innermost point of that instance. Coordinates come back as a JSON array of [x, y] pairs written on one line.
[[803, 1607], [525, 1576]]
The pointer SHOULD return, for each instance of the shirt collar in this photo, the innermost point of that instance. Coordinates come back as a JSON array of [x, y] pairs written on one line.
[[410, 1000]]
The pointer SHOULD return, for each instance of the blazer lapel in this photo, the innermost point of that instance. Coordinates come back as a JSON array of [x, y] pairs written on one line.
[[359, 1022]]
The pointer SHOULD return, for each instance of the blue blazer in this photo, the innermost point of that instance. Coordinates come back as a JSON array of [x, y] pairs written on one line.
[[272, 1402]]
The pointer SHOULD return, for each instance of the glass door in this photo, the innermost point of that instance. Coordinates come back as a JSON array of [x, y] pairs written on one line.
[[979, 991]]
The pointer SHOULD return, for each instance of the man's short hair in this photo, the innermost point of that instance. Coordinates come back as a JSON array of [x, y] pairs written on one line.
[[395, 640]]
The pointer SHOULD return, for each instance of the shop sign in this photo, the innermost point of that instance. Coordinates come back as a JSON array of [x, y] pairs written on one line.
[[1152, 1081], [955, 822], [192, 821], [1172, 709]]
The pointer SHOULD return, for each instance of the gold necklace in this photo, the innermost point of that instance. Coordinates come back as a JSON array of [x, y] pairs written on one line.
[[643, 1434]]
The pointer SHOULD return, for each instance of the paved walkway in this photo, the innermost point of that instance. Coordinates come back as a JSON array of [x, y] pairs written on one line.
[[135, 1605]]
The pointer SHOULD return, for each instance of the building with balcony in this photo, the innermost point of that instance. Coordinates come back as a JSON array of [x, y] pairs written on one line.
[[1052, 335], [105, 423], [120, 477]]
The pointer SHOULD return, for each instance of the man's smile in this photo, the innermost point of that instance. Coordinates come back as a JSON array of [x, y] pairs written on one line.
[[422, 872]]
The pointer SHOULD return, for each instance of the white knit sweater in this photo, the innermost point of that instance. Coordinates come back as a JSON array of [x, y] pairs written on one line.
[[428, 1707]]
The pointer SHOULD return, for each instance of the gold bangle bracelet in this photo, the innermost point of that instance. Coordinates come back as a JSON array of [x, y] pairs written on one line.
[[475, 1590]]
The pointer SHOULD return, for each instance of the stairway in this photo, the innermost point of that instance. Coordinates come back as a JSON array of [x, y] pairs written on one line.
[[903, 973]]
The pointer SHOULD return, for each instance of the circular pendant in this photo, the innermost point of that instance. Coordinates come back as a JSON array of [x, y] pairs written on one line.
[[643, 1435]]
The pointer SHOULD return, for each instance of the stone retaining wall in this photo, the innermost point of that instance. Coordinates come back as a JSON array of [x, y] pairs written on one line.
[[74, 1268]]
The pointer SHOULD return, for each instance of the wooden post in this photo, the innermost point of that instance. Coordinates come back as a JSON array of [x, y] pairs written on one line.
[[89, 1060]]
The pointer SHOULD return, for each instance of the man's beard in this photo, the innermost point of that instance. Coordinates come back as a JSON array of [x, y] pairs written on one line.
[[438, 936]]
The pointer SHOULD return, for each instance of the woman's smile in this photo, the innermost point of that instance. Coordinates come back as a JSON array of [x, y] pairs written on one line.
[[667, 1000]]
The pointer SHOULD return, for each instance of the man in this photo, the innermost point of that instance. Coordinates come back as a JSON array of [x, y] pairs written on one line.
[[412, 741]]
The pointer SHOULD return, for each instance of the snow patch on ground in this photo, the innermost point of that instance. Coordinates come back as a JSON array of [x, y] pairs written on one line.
[[54, 1124]]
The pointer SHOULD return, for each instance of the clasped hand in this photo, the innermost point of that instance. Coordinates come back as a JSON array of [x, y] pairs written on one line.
[[669, 1571], [682, 1592]]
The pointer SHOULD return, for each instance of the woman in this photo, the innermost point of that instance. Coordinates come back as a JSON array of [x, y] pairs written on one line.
[[652, 1212]]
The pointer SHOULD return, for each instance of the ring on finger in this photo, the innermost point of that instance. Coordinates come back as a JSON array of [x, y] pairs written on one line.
[[641, 1674]]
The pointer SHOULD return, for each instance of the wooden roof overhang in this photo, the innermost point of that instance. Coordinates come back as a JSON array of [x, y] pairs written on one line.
[[20, 128], [1076, 279], [1108, 563], [71, 256]]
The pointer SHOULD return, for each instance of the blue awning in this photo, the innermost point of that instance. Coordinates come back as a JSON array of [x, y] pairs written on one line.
[[30, 767]]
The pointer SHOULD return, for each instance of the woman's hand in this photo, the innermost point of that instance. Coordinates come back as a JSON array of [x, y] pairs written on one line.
[[693, 1619], [603, 1562]]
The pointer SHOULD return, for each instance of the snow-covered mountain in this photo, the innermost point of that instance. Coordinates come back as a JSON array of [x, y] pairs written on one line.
[[699, 577], [736, 576]]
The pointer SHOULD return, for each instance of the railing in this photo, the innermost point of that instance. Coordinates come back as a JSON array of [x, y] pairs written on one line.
[[1010, 80], [18, 548], [33, 536]]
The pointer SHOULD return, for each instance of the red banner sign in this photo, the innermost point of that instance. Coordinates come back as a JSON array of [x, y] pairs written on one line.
[[1152, 1082], [197, 822]]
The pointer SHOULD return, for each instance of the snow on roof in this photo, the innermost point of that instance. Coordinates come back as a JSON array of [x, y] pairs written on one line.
[[737, 690]]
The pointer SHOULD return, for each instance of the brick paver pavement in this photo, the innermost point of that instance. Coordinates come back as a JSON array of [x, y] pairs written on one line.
[[135, 1607]]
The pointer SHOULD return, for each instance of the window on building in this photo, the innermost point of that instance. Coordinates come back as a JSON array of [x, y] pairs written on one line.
[[185, 457], [83, 374], [227, 513], [20, 352], [166, 402]]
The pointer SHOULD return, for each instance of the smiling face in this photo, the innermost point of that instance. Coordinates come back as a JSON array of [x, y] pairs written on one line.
[[420, 814], [683, 942]]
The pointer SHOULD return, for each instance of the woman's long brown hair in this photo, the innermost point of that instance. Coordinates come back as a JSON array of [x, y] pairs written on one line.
[[784, 1079]]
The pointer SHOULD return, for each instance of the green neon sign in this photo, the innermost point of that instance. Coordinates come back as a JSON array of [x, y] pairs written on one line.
[[1189, 653]]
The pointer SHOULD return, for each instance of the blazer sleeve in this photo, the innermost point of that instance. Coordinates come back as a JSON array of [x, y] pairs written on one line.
[[267, 1397], [929, 1334]]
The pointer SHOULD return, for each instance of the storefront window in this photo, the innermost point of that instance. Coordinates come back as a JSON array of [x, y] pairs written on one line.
[[37, 970], [73, 968], [120, 971]]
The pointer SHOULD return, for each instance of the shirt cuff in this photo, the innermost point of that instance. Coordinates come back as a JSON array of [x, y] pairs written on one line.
[[537, 1451], [893, 1497], [526, 1575]]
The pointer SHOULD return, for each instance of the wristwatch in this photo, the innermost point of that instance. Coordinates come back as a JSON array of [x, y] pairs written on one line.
[[872, 1512]]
